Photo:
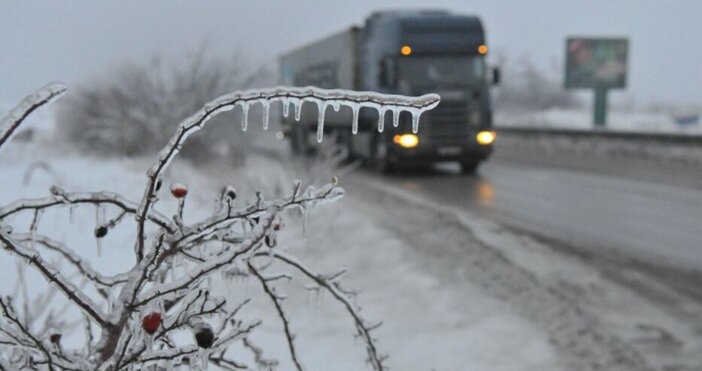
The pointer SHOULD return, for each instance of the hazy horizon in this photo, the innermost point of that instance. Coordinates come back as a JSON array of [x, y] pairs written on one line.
[[43, 41]]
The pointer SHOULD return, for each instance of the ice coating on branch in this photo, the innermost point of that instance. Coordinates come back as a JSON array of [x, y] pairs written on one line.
[[244, 115], [298, 109], [286, 107], [266, 112], [322, 107], [415, 119], [381, 119], [14, 118], [354, 121], [379, 102]]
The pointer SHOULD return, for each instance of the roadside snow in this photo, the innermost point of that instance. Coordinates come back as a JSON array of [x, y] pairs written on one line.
[[426, 326]]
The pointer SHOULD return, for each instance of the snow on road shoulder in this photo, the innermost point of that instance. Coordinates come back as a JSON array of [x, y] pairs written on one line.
[[592, 321]]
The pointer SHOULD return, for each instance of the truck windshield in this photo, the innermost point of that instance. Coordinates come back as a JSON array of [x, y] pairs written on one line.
[[441, 70]]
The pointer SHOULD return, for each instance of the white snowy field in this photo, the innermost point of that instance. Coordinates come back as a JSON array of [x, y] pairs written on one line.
[[581, 119], [425, 325]]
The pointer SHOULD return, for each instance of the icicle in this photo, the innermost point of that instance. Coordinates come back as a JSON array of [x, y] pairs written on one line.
[[395, 116], [354, 126], [298, 109], [381, 119], [244, 115], [99, 221], [336, 105], [266, 112], [304, 223], [415, 120], [71, 214], [322, 106], [148, 341], [286, 107]]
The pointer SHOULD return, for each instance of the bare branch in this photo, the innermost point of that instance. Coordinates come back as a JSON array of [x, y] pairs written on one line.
[[52, 274], [283, 317], [15, 118], [364, 331], [7, 312], [322, 97], [61, 198], [83, 267]]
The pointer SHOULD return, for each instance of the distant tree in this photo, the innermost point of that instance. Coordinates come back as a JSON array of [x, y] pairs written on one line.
[[133, 110], [526, 87]]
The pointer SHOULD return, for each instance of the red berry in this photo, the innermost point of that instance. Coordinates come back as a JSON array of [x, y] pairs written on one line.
[[151, 322], [179, 190]]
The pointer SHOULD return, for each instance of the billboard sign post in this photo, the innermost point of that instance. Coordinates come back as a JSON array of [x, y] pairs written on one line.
[[599, 64]]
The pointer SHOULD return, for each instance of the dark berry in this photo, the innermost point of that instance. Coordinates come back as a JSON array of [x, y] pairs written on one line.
[[55, 338], [204, 336], [101, 231]]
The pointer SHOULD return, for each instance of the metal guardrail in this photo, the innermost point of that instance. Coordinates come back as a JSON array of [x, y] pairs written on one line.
[[687, 139]]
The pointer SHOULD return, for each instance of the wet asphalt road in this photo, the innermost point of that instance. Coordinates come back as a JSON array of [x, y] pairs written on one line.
[[595, 212]]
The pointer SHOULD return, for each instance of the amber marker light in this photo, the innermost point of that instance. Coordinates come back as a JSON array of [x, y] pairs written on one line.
[[483, 49], [406, 140], [485, 137], [405, 50]]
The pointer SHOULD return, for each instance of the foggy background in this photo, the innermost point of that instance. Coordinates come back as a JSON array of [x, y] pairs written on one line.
[[80, 40]]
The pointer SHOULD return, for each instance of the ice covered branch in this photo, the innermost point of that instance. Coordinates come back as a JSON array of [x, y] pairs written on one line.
[[51, 274], [296, 96], [10, 123], [61, 199], [134, 320], [276, 300], [332, 286]]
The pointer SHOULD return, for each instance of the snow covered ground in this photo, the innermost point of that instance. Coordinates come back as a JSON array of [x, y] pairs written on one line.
[[454, 292], [425, 326]]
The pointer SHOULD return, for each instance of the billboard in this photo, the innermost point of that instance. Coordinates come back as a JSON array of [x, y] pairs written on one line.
[[599, 63]]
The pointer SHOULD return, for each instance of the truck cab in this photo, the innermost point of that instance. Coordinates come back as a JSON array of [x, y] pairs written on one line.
[[414, 53]]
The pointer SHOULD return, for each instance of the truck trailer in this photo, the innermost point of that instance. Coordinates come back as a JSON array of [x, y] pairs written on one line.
[[409, 53]]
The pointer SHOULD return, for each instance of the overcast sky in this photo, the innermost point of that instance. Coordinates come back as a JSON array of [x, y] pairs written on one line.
[[75, 41]]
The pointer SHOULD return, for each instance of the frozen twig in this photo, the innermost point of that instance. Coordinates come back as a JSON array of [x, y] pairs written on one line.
[[15, 118], [322, 97], [62, 199], [276, 300], [140, 312], [328, 283], [52, 274]]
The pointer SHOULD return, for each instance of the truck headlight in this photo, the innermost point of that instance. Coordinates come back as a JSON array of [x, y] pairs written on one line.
[[485, 137], [406, 140]]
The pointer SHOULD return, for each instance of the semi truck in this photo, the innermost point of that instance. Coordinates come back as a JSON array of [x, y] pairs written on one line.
[[408, 53]]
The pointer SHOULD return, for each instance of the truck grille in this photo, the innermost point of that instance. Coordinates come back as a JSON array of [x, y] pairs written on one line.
[[448, 121]]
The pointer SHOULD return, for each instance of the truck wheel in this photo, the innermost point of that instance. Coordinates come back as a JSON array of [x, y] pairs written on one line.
[[380, 156], [469, 167]]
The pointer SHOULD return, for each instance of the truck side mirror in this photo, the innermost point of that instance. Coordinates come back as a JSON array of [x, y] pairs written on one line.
[[387, 77], [496, 76]]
